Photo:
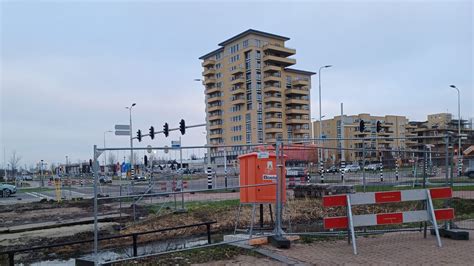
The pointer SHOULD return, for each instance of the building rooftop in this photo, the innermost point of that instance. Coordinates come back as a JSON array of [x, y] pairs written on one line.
[[242, 34], [256, 32], [299, 71]]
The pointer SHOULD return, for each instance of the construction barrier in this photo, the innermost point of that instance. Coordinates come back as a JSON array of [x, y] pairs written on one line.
[[350, 221]]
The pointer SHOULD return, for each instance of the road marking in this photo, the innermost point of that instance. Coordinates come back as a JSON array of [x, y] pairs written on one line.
[[40, 195], [31, 194], [82, 194]]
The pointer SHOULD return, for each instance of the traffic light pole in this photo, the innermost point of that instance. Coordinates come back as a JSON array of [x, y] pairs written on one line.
[[171, 129]]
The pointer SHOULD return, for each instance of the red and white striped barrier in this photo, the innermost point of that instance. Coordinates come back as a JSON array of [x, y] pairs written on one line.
[[350, 221]]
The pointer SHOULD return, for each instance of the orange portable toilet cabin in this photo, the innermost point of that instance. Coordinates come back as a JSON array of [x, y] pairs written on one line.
[[260, 168]]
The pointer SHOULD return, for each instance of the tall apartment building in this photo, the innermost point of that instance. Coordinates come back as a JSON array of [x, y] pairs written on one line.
[[392, 127], [252, 94]]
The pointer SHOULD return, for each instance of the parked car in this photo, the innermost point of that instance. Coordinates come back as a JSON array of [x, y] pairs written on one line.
[[6, 190], [469, 172], [105, 179], [351, 168], [372, 167]]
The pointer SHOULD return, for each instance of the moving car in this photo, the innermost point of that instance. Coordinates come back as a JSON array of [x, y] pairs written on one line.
[[105, 179], [372, 167], [351, 168], [332, 169], [469, 172], [6, 190]]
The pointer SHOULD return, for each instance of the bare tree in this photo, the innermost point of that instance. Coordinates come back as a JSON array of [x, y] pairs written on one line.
[[14, 162], [112, 159]]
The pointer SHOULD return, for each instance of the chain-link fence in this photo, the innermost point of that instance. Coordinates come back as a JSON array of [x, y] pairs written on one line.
[[192, 185]]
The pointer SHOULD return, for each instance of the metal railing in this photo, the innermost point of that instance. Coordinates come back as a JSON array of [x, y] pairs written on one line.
[[11, 253]]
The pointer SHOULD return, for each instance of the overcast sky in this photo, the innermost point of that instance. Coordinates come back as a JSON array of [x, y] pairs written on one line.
[[69, 69]]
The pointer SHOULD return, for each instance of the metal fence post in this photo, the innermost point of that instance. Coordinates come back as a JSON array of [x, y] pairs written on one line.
[[135, 249], [279, 166], [363, 165], [208, 227], [11, 259], [95, 169]]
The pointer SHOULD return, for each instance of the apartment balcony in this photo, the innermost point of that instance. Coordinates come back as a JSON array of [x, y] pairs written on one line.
[[209, 81], [239, 70], [273, 109], [273, 130], [296, 101], [209, 72], [273, 59], [238, 91], [301, 131], [214, 117], [273, 48], [271, 88], [215, 136], [212, 89], [297, 111], [237, 101], [272, 99], [297, 121], [214, 99], [297, 91], [271, 68], [300, 83], [273, 119], [215, 126], [271, 78], [214, 108], [236, 81], [208, 63]]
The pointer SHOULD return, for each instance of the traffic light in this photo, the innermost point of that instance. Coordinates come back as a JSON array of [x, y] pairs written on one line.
[[361, 125], [145, 160], [182, 127], [139, 135], [379, 126], [166, 130], [152, 132]]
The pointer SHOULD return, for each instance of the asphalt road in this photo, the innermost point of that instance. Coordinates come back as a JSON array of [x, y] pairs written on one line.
[[124, 187]]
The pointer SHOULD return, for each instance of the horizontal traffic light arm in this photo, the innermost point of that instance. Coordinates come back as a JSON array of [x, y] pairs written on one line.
[[171, 129]]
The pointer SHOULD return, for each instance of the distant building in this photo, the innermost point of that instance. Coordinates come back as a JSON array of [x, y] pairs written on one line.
[[393, 127], [252, 94], [440, 125]]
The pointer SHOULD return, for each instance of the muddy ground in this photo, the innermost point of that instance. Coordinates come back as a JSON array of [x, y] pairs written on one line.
[[304, 214]]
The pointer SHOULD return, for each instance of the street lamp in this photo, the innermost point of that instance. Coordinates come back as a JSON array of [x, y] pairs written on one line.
[[131, 136], [459, 125], [320, 113], [105, 152]]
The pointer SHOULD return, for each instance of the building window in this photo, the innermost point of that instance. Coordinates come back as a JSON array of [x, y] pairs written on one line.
[[245, 44], [258, 43]]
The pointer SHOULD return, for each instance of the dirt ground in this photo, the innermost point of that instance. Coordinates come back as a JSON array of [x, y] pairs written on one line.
[[301, 212]]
